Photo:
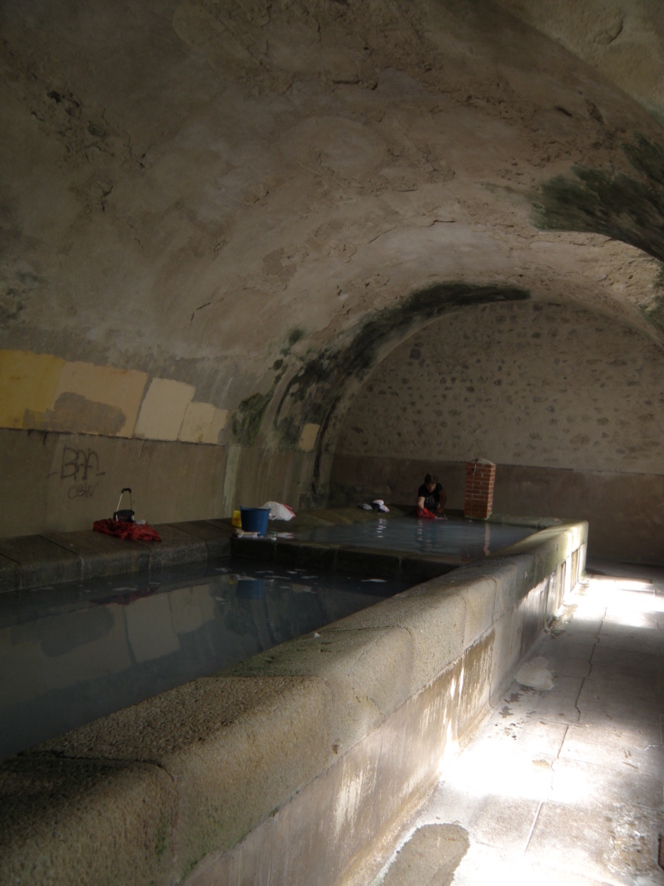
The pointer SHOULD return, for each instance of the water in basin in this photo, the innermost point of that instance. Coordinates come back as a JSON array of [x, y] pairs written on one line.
[[456, 539], [76, 652]]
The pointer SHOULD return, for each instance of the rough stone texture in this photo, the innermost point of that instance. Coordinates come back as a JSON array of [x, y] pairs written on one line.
[[359, 802], [40, 561], [85, 821], [622, 40], [10, 575], [176, 546], [216, 535], [100, 554], [234, 748], [368, 673], [573, 390], [433, 614]]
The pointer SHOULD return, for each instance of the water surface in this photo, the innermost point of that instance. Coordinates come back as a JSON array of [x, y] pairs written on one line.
[[456, 539], [76, 652]]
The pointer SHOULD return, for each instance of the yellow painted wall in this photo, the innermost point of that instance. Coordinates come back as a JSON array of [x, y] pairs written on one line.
[[28, 383]]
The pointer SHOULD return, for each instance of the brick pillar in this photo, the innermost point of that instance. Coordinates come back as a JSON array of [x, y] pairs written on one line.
[[480, 480]]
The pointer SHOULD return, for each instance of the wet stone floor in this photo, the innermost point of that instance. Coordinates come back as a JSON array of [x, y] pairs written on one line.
[[563, 784]]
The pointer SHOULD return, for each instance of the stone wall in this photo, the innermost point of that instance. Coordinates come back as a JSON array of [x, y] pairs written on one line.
[[64, 482], [566, 403]]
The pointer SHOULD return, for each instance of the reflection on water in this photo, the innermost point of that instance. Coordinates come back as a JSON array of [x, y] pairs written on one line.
[[456, 539], [71, 654]]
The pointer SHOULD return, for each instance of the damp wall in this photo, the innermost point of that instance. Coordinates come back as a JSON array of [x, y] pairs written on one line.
[[64, 482], [568, 404]]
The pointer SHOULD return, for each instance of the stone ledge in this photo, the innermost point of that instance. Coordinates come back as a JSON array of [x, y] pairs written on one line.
[[328, 737], [85, 821], [227, 746], [33, 561]]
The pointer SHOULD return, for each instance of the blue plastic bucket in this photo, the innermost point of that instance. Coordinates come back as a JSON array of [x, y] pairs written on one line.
[[255, 519]]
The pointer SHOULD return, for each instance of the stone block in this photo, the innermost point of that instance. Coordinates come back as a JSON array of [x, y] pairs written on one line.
[[506, 652], [215, 533], [368, 673], [479, 596], [41, 562], [510, 585], [176, 547], [434, 616], [101, 554], [65, 821], [235, 748], [306, 555], [475, 682], [10, 575], [336, 829]]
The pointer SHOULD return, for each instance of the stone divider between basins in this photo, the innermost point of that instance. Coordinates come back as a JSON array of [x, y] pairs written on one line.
[[298, 766]]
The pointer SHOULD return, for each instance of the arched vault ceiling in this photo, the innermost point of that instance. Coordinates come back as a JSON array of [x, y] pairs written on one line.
[[227, 193], [622, 40]]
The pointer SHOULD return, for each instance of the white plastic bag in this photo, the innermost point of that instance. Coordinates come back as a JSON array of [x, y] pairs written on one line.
[[279, 511]]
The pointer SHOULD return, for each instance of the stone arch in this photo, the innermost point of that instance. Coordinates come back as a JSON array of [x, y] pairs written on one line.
[[566, 402]]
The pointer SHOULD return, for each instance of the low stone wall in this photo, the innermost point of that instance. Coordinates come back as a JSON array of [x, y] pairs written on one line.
[[298, 766], [625, 510]]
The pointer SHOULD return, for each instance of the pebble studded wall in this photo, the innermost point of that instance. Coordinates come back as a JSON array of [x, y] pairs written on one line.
[[523, 384]]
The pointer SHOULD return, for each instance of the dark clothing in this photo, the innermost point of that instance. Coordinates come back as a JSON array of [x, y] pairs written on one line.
[[432, 499]]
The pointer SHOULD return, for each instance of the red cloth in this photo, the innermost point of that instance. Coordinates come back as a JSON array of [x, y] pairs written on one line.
[[124, 529], [424, 512]]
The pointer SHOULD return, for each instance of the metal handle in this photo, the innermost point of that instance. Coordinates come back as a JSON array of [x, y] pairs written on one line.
[[126, 489]]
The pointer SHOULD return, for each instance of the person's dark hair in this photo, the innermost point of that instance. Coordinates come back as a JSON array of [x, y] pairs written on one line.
[[430, 478]]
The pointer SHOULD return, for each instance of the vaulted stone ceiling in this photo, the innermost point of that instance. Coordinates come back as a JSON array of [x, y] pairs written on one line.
[[259, 199]]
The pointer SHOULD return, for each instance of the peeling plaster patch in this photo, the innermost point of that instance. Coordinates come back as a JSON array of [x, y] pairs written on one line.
[[75, 413], [28, 383], [203, 422], [163, 409], [308, 437], [87, 394]]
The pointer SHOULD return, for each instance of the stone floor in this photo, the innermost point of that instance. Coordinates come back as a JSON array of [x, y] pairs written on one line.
[[563, 784]]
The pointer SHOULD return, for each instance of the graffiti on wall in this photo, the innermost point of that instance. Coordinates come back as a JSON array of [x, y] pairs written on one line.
[[80, 470]]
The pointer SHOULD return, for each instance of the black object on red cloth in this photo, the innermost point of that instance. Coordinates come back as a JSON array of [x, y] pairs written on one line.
[[126, 529]]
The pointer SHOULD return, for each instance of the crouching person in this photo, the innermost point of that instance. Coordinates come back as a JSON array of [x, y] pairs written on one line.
[[431, 499]]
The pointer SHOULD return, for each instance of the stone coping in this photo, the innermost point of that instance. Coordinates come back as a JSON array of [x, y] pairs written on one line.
[[54, 558], [319, 735]]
